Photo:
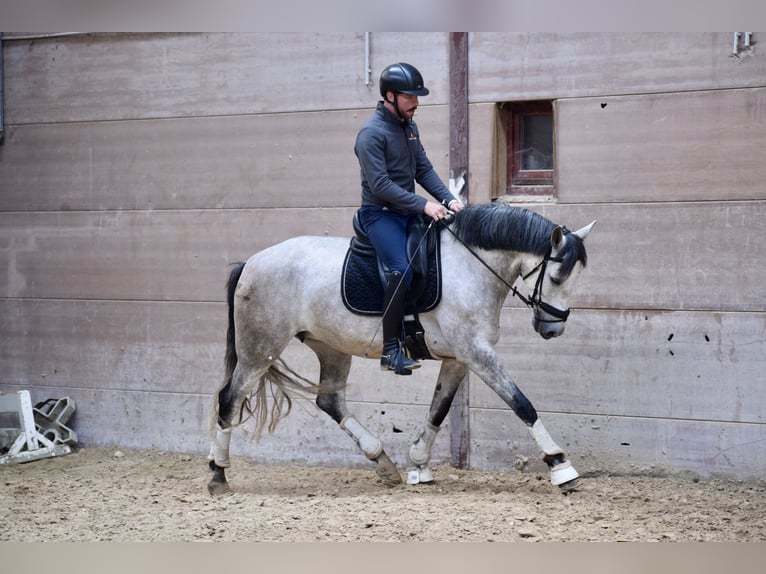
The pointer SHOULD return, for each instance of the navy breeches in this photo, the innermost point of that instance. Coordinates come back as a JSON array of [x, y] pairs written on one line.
[[387, 231]]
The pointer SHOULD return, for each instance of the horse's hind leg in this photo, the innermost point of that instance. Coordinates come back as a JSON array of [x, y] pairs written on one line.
[[231, 395], [231, 409], [334, 369], [218, 459], [450, 377]]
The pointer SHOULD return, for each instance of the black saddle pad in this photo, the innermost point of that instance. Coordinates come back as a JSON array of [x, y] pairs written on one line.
[[362, 289]]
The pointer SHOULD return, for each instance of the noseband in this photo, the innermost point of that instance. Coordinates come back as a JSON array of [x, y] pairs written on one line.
[[535, 301]]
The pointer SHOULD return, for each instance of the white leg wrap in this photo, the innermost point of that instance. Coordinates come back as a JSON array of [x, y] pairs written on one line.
[[371, 445], [219, 448], [419, 475], [564, 471], [420, 451], [543, 439]]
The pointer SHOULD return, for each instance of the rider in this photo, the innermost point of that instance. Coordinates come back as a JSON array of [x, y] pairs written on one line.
[[392, 159]]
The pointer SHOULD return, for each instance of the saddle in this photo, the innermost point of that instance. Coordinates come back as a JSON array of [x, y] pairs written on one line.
[[364, 276]]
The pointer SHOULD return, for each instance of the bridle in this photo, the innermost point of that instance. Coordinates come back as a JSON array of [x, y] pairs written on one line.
[[535, 301]]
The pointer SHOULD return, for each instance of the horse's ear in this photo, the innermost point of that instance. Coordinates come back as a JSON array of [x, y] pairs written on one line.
[[583, 233], [557, 237]]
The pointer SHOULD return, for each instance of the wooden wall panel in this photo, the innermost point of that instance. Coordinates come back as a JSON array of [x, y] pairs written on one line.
[[165, 347], [514, 66], [148, 255], [615, 445], [179, 422], [481, 152], [140, 76], [676, 365], [643, 256], [290, 160], [698, 146], [278, 160], [129, 346], [128, 76], [681, 256]]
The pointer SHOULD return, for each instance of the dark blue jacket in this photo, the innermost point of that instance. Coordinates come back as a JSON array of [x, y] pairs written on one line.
[[392, 159]]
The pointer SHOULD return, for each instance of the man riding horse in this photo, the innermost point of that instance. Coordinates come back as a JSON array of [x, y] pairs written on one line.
[[392, 159]]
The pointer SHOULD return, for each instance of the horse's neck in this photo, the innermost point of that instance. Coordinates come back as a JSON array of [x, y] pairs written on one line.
[[507, 264], [499, 269]]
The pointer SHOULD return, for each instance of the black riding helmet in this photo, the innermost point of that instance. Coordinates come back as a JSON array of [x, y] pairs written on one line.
[[402, 78]]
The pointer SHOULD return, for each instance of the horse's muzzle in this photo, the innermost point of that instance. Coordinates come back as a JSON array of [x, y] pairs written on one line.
[[547, 324]]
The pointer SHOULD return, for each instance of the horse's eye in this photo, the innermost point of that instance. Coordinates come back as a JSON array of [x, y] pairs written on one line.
[[556, 280]]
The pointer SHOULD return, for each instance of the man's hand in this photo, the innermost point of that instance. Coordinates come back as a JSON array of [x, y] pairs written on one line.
[[435, 210], [455, 205]]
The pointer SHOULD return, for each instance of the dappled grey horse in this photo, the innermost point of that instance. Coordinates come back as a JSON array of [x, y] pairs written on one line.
[[292, 289]]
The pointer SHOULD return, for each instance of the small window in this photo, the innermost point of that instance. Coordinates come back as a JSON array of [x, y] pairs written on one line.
[[525, 149]]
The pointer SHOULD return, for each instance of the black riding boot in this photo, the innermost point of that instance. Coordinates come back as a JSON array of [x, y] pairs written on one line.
[[393, 358]]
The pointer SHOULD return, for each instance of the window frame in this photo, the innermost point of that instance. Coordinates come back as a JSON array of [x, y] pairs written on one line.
[[512, 180]]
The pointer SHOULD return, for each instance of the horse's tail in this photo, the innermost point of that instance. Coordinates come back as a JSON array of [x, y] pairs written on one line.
[[279, 384], [280, 379], [230, 358]]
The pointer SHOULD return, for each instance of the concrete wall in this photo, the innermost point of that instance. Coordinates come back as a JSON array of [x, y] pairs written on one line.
[[137, 167]]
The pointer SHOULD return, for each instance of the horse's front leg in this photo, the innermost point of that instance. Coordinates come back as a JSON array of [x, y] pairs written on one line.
[[451, 375], [484, 362]]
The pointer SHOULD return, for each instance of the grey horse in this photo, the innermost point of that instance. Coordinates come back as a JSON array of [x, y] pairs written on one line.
[[484, 249]]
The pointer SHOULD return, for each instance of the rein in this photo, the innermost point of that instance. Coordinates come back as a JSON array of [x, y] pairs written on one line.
[[535, 302]]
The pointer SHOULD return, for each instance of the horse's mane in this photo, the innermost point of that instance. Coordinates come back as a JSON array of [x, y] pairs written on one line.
[[502, 226]]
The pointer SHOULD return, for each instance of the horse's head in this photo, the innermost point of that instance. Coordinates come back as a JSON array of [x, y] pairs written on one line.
[[552, 279]]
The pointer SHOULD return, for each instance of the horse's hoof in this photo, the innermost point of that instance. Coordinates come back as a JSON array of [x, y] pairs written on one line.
[[387, 471], [216, 488]]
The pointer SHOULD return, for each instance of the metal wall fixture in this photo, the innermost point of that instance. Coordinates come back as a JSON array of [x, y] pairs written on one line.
[[367, 69], [746, 38]]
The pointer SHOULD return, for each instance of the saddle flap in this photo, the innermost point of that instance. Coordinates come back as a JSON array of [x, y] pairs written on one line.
[[420, 243], [362, 294]]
